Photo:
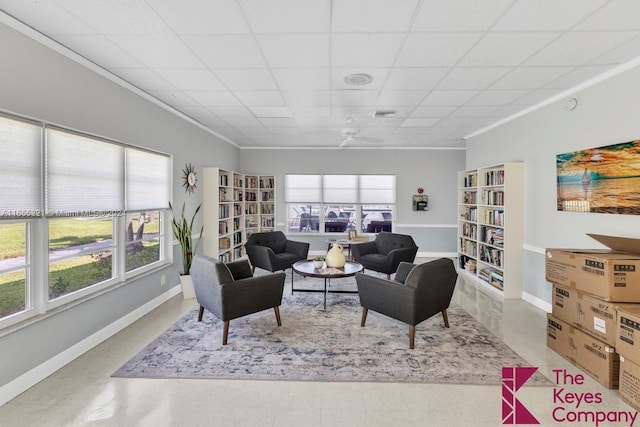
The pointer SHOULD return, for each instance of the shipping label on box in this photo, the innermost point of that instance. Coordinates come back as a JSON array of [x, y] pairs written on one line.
[[628, 333], [593, 356], [629, 382], [593, 315]]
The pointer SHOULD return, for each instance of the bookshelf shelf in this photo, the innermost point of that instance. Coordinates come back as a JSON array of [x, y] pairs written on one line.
[[491, 227], [234, 205]]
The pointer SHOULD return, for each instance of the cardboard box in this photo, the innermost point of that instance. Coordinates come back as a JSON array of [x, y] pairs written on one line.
[[592, 315], [628, 333], [630, 382], [593, 356], [611, 274]]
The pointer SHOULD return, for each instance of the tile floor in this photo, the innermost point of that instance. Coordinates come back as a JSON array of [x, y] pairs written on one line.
[[83, 393]]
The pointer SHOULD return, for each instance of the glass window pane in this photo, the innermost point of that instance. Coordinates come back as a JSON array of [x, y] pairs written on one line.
[[376, 218], [143, 239], [13, 264], [339, 218], [303, 218], [80, 254]]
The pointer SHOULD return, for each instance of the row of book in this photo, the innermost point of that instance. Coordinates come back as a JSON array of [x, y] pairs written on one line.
[[468, 247], [470, 180], [266, 208], [469, 214], [469, 230], [493, 236], [267, 196], [494, 177], [493, 277], [267, 222], [266, 182], [491, 197], [494, 217], [223, 211], [492, 256], [469, 197]]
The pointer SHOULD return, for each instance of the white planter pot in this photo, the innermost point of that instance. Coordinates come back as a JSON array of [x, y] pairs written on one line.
[[187, 287]]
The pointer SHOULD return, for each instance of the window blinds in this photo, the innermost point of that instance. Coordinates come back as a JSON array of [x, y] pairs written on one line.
[[302, 188], [148, 182], [377, 189], [340, 188], [20, 169], [85, 176]]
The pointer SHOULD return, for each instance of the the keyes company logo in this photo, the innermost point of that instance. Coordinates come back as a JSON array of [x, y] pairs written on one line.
[[569, 406], [513, 411]]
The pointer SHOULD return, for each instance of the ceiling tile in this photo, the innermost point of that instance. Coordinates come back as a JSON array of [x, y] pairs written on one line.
[[173, 97], [308, 98], [420, 122], [401, 97], [158, 51], [231, 112], [211, 98], [190, 79], [497, 97], [242, 121], [506, 49], [295, 51], [437, 112], [546, 15], [536, 96], [415, 78], [578, 48], [211, 121], [226, 51], [196, 111], [577, 76], [453, 15], [262, 98], [449, 97], [305, 79], [258, 79], [279, 131], [435, 49], [365, 50], [100, 50], [271, 112], [476, 111], [302, 16], [614, 16], [47, 17], [530, 77], [625, 52], [354, 97], [117, 17], [472, 78], [278, 122], [201, 16], [372, 15]]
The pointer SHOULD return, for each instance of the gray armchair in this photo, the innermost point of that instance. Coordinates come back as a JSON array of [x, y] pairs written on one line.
[[229, 291], [272, 251], [386, 252], [417, 293]]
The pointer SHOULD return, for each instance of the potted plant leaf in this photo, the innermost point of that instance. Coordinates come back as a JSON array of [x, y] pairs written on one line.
[[183, 232]]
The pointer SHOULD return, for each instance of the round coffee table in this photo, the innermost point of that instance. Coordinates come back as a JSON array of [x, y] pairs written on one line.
[[306, 269]]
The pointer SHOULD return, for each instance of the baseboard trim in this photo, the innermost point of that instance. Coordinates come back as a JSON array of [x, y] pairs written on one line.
[[537, 302], [42, 371]]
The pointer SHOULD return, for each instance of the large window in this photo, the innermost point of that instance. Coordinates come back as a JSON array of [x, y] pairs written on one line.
[[97, 206], [339, 203]]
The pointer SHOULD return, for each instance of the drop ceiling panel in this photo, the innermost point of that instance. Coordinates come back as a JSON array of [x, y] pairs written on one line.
[[303, 79], [226, 51], [497, 97], [201, 16], [530, 77], [435, 49], [454, 15], [100, 50], [379, 77], [365, 50], [506, 49], [212, 98], [191, 79], [260, 98], [159, 51], [46, 17], [251, 79], [302, 16], [415, 78], [295, 51], [372, 15], [143, 78], [546, 15], [409, 98], [472, 78], [613, 16]]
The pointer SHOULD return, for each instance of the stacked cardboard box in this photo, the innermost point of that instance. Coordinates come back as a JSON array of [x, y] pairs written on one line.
[[589, 288], [628, 346]]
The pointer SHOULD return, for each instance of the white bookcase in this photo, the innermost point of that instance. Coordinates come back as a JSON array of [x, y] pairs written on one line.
[[234, 206], [491, 227]]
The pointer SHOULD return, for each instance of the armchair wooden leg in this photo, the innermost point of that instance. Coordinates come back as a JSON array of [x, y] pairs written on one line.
[[225, 332], [412, 336], [277, 310], [364, 316], [388, 277], [445, 317], [200, 313]]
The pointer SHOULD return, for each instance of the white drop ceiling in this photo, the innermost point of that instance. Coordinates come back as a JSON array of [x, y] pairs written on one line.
[[269, 73]]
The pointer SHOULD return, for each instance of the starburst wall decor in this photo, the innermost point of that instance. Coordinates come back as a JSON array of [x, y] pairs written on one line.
[[189, 178]]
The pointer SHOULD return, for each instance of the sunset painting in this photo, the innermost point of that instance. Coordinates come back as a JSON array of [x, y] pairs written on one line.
[[604, 179]]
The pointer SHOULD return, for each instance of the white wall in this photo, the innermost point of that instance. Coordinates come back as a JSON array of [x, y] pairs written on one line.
[[434, 170], [607, 113]]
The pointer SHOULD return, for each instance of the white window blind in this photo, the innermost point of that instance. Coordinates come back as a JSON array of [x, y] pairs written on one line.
[[302, 188], [148, 180], [377, 189], [340, 188], [85, 176], [20, 173]]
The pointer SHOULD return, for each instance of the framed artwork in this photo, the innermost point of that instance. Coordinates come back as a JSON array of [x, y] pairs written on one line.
[[602, 180], [353, 234]]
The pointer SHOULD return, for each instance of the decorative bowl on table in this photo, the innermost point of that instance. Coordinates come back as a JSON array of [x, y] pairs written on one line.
[[318, 263]]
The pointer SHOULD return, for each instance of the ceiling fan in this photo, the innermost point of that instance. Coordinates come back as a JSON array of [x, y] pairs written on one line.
[[351, 134]]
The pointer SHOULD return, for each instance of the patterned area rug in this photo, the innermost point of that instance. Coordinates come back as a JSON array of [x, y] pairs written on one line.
[[315, 345]]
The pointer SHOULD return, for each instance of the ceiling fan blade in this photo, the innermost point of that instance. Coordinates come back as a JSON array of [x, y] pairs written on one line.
[[344, 142]]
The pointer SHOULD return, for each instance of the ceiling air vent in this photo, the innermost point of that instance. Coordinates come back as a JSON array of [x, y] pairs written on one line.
[[384, 114]]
